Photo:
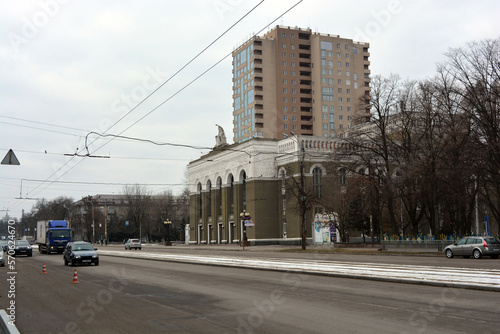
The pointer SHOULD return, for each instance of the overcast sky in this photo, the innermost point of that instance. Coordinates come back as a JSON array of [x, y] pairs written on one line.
[[69, 68]]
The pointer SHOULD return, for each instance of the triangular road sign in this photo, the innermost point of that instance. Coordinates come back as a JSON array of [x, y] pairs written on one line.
[[10, 159]]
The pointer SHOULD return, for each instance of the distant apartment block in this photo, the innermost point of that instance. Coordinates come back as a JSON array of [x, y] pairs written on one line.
[[294, 80]]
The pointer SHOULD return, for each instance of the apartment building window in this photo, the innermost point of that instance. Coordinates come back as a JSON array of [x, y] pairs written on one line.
[[294, 109], [341, 117], [347, 55], [348, 91], [355, 76], [325, 116], [285, 117], [285, 126], [330, 82], [339, 72], [339, 55], [327, 93], [293, 73], [324, 108], [354, 50], [347, 64], [323, 62], [294, 100], [349, 117], [339, 81], [294, 91], [355, 85], [339, 63], [340, 90], [323, 54], [294, 118], [284, 90], [343, 176], [348, 100], [330, 54], [283, 35], [347, 74], [325, 126], [294, 127], [292, 36], [324, 80], [284, 72], [285, 108], [292, 64], [338, 45], [283, 54], [348, 82], [341, 126], [283, 63], [330, 72], [330, 64], [347, 47], [283, 46], [332, 109], [293, 82], [285, 99], [284, 81], [292, 55], [292, 47]]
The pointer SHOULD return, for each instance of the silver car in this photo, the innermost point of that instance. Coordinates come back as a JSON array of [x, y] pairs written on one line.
[[133, 243], [474, 246]]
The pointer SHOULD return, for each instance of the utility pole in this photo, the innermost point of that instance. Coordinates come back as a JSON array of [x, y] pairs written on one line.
[[303, 198]]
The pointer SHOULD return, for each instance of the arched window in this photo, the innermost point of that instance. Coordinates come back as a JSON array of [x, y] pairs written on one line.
[[209, 197], [200, 201], [343, 176], [219, 194], [317, 187], [231, 192], [244, 182]]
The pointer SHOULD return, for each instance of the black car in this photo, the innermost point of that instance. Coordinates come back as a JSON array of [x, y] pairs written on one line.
[[80, 252], [22, 247]]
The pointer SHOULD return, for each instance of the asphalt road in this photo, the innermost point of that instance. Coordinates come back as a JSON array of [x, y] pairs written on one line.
[[141, 296]]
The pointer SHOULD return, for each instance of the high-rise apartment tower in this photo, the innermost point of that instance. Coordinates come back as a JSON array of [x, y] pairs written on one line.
[[294, 80]]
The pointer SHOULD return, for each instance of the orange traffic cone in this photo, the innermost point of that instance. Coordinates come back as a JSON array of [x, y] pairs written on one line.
[[75, 277], [44, 270]]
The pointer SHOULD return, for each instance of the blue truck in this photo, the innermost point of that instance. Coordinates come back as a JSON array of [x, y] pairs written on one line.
[[52, 236]]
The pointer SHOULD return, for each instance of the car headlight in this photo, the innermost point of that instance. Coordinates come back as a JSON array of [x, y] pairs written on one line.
[[95, 256], [77, 256]]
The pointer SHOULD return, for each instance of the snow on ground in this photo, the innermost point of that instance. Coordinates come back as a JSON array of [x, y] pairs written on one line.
[[484, 279]]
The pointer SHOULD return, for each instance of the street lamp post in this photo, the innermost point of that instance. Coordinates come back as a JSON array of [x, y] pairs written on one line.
[[167, 223], [244, 216]]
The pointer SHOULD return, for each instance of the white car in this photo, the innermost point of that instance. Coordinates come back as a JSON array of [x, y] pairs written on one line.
[[133, 243]]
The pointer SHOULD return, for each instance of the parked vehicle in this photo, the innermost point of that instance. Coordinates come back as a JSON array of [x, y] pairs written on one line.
[[474, 246], [80, 252], [133, 243], [22, 247], [53, 236], [5, 245], [2, 259]]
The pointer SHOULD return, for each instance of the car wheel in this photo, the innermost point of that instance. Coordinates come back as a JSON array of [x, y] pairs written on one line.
[[477, 254], [449, 253], [65, 262], [30, 255], [494, 256], [139, 248], [97, 262]]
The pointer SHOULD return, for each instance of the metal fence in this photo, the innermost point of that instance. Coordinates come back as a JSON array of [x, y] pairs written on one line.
[[415, 245]]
